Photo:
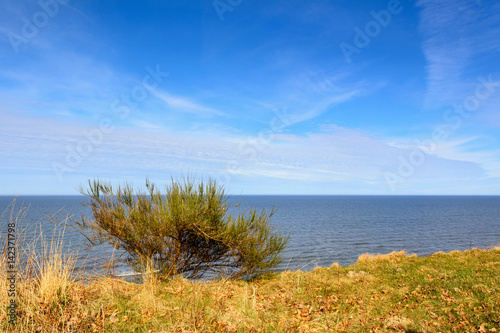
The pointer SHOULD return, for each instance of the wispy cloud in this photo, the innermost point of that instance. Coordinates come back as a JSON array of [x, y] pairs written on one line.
[[474, 150], [186, 105], [334, 154], [460, 41], [453, 41], [311, 93], [322, 106]]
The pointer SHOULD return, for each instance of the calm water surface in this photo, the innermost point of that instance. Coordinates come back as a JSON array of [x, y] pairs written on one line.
[[323, 229]]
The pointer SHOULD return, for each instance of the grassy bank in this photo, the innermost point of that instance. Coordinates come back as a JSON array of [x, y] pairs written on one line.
[[452, 292]]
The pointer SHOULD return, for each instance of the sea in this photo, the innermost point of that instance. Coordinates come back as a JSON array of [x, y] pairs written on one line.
[[323, 229]]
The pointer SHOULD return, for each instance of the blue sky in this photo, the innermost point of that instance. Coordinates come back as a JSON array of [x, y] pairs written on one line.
[[268, 97]]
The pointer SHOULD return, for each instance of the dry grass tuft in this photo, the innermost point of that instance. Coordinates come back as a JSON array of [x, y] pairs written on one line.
[[55, 270], [381, 257]]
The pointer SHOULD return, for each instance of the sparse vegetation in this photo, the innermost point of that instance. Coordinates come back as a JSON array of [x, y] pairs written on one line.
[[187, 230]]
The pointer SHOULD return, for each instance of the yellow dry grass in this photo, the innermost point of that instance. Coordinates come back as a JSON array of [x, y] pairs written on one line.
[[381, 257]]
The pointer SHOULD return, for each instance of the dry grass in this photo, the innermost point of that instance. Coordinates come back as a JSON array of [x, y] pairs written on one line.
[[454, 292], [382, 257], [444, 292], [43, 279]]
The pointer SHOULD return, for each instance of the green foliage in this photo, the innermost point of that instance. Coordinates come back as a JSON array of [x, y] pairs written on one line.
[[187, 230]]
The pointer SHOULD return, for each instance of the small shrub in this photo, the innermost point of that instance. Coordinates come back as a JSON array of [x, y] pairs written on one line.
[[185, 231]]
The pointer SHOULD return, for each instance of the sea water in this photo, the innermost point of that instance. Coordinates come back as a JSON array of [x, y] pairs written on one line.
[[322, 229]]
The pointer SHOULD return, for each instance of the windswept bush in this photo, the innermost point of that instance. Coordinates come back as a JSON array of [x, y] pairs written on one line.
[[187, 230]]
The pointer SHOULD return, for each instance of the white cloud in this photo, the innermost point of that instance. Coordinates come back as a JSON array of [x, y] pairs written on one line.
[[472, 150], [333, 154]]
